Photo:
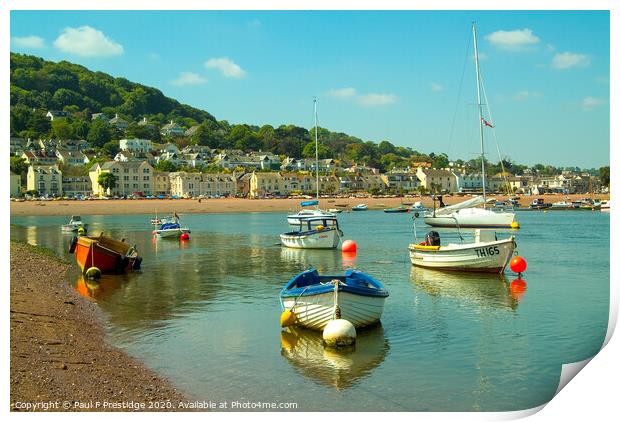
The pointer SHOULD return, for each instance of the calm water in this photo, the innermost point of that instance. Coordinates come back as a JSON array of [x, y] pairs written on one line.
[[205, 313]]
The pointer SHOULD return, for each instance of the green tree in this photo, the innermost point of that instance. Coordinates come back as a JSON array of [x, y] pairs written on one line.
[[18, 165], [99, 133], [309, 151], [441, 161], [111, 148], [166, 166], [107, 181], [62, 129], [604, 175]]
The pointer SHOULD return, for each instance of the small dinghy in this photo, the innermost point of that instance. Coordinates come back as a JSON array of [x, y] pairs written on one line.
[[360, 207], [400, 208], [317, 299]]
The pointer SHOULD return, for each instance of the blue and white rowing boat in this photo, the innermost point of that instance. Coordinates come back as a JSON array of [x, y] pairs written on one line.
[[315, 300]]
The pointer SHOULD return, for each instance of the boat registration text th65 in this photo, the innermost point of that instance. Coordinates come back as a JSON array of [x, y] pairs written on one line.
[[489, 251]]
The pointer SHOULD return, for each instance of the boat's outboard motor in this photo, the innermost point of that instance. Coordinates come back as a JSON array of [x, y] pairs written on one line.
[[440, 199], [432, 239]]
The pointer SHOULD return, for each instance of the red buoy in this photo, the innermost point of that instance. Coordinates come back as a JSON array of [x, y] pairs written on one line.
[[349, 246], [185, 236], [518, 264]]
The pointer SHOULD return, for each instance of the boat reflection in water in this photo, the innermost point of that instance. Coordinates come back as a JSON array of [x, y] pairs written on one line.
[[339, 368], [481, 289], [321, 259], [97, 289]]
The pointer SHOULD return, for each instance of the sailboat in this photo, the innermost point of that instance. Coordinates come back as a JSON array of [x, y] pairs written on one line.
[[466, 214], [315, 229], [297, 218]]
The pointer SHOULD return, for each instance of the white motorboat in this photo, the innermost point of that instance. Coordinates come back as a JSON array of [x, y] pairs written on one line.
[[463, 214], [171, 229], [315, 300], [360, 207], [313, 233], [75, 223], [417, 206], [485, 254]]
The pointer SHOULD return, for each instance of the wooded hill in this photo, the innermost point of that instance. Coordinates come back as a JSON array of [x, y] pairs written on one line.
[[38, 85]]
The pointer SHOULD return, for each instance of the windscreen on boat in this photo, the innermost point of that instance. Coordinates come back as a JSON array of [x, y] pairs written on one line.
[[168, 226], [309, 203]]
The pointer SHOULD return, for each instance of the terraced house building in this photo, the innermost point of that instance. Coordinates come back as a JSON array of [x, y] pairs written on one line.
[[132, 178]]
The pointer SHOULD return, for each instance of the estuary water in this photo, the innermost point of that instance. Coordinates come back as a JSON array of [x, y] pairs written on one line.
[[205, 313]]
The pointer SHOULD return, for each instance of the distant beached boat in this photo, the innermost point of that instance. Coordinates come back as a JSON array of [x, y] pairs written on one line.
[[360, 207]]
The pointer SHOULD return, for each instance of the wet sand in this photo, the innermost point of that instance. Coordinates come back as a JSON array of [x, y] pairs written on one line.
[[230, 205], [59, 354]]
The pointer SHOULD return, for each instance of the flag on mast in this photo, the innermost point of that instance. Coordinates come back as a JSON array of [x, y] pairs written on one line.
[[485, 122]]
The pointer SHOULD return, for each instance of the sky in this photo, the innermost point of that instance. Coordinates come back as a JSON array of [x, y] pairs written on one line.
[[403, 76]]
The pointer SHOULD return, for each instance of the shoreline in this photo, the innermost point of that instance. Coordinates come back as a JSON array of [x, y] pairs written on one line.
[[60, 355], [233, 205]]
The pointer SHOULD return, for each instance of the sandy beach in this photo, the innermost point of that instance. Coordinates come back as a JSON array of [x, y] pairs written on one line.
[[59, 353], [230, 205]]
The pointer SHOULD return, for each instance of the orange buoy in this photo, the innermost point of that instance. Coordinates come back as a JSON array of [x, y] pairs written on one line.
[[185, 236], [349, 246], [518, 264]]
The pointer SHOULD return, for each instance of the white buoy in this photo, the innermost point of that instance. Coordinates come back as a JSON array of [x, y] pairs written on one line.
[[338, 333]]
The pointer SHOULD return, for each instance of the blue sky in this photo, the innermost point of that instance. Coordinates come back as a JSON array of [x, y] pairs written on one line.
[[378, 75]]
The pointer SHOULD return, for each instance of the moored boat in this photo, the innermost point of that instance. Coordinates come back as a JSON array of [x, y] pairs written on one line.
[[605, 205], [75, 223], [171, 229], [107, 254], [317, 299], [485, 254], [400, 208], [360, 207], [313, 233]]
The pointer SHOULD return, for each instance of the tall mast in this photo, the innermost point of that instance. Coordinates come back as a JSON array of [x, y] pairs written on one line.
[[484, 190], [316, 149]]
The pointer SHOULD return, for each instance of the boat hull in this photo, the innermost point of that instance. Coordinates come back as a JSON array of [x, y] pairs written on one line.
[[479, 257], [171, 233], [324, 239], [90, 253], [316, 311], [471, 218]]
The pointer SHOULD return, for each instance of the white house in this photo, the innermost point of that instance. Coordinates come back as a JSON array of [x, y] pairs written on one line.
[[135, 145]]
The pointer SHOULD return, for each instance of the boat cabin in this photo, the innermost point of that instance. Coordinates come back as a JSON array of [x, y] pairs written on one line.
[[309, 225]]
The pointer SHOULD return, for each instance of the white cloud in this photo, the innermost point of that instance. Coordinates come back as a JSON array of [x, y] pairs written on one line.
[[189, 78], [342, 93], [376, 100], [86, 41], [517, 40], [435, 87], [589, 103], [31, 41], [226, 67], [527, 95], [567, 60]]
